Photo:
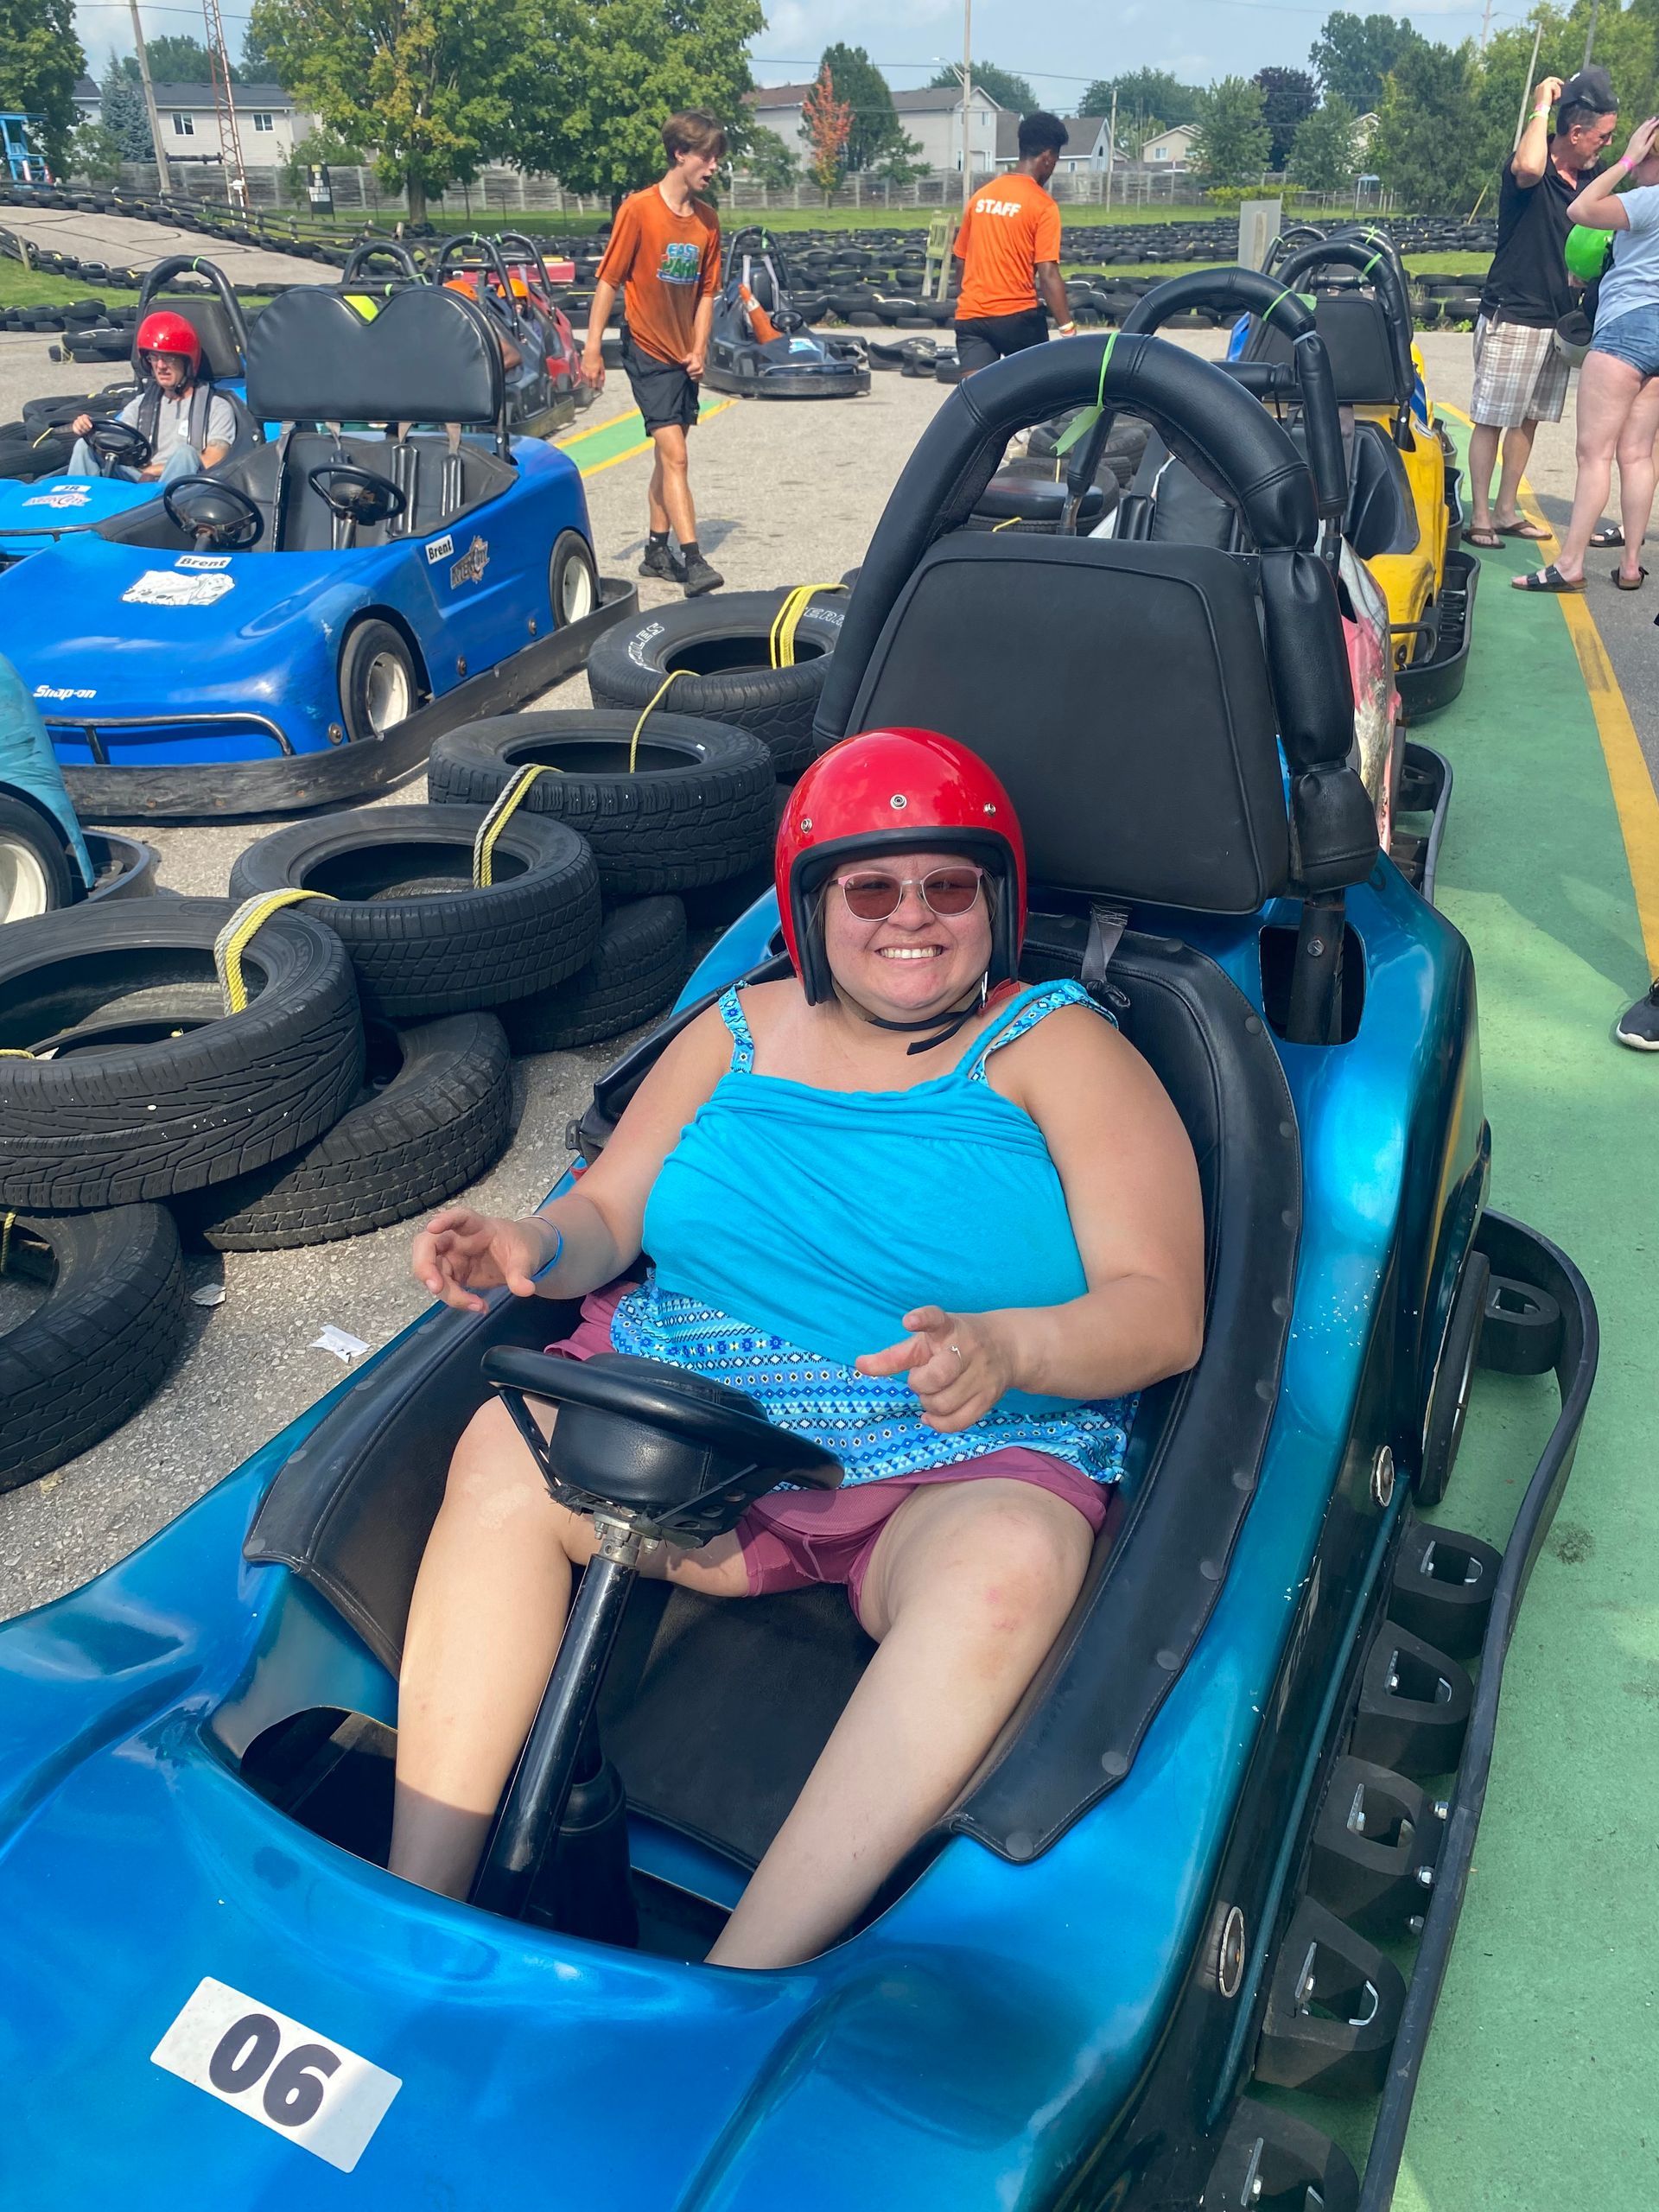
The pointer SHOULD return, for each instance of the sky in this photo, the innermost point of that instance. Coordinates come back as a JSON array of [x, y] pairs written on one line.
[[1060, 45]]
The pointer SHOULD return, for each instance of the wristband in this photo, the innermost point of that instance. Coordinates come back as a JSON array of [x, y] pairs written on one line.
[[1623, 163], [1066, 329], [558, 1245]]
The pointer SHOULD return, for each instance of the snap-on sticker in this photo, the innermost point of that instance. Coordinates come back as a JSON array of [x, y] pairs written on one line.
[[63, 691], [167, 588], [470, 568], [440, 550], [203, 561], [277, 2071]]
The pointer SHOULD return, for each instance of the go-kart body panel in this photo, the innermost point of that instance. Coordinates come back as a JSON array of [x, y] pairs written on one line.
[[977, 2043], [29, 769], [34, 516], [143, 657]]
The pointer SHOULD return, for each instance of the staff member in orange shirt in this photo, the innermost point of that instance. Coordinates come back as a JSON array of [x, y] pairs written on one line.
[[665, 255], [1009, 249]]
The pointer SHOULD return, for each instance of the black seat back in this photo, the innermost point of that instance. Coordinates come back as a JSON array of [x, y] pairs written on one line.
[[1159, 711]]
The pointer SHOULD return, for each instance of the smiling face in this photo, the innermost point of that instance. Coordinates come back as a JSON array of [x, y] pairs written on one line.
[[914, 962]]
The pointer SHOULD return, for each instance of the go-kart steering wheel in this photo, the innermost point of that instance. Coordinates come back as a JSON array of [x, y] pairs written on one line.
[[123, 443], [357, 495], [214, 514]]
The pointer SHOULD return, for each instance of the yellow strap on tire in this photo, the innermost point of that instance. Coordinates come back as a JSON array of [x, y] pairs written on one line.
[[787, 620], [5, 1241], [634, 742], [506, 806], [233, 939]]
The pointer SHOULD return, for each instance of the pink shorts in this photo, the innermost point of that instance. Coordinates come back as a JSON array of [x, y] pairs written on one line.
[[795, 1538]]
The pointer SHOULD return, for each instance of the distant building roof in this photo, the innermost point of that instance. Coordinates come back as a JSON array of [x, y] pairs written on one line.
[[938, 100], [776, 95], [263, 96]]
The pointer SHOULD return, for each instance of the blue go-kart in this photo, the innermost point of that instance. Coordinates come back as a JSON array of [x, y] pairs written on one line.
[[296, 628], [1257, 1754]]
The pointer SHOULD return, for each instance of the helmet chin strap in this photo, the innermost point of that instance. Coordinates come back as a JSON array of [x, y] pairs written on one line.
[[943, 1026]]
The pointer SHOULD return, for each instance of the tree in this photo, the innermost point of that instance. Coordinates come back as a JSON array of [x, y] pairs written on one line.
[[1353, 55], [875, 131], [1288, 97], [428, 83], [40, 59], [95, 154], [176, 60], [828, 123], [121, 110], [1424, 149], [768, 160], [317, 149], [590, 109], [1322, 156], [256, 67], [1233, 141], [1006, 87], [1149, 94]]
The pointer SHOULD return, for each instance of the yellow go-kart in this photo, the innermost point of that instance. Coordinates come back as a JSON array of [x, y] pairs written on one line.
[[1402, 517]]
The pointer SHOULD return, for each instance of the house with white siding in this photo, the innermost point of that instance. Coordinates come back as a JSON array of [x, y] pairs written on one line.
[[268, 122]]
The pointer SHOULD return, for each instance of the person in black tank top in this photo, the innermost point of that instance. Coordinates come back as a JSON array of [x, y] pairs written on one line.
[[1520, 378]]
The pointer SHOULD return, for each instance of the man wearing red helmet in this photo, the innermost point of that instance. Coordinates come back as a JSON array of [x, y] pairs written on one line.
[[945, 1226], [189, 426]]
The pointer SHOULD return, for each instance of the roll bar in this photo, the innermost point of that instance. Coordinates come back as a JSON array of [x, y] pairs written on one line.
[[367, 251], [208, 273], [1380, 263]]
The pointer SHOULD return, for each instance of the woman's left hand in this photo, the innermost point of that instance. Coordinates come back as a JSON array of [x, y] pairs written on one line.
[[959, 1365]]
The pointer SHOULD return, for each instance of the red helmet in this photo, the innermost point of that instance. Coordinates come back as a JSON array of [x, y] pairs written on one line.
[[890, 791], [166, 331]]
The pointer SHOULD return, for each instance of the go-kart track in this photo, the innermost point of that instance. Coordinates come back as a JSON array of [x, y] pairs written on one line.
[[1537, 2088]]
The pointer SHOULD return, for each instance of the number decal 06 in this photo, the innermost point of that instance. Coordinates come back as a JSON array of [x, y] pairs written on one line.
[[278, 2072]]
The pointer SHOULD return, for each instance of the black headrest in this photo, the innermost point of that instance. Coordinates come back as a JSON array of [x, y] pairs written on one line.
[[1205, 418], [1368, 327], [214, 314], [221, 348], [429, 356], [1142, 753]]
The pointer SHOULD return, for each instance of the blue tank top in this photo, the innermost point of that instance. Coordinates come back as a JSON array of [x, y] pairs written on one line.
[[792, 1227]]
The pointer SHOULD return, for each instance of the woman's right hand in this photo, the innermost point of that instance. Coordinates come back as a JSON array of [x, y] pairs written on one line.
[[1642, 140], [460, 1254]]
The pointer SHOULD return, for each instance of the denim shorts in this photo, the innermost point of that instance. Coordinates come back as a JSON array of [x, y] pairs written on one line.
[[1633, 337]]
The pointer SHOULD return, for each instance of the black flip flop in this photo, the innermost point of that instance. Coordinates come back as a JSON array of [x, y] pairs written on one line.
[[1533, 532], [1545, 580], [1609, 536], [1624, 583]]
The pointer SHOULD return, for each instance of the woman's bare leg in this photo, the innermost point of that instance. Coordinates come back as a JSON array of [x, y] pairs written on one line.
[[1607, 390], [484, 1625], [967, 1589], [1635, 476]]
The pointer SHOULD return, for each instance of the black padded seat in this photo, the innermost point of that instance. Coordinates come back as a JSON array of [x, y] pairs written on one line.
[[422, 464], [1168, 504], [1160, 640], [222, 350], [1355, 328]]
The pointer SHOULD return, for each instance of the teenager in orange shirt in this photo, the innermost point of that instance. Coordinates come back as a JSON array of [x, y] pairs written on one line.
[[664, 256], [1009, 249]]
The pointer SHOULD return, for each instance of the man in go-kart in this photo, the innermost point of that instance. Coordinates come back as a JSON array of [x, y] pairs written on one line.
[[187, 427], [945, 1226]]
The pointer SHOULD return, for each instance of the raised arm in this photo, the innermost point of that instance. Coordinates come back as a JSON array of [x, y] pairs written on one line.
[[1598, 206], [1531, 156]]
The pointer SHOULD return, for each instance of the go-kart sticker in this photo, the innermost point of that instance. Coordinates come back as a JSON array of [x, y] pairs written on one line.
[[167, 588], [440, 550], [61, 495], [63, 691], [802, 345], [203, 561], [277, 2071], [470, 568]]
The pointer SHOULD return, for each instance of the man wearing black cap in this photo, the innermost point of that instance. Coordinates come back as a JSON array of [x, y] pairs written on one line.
[[1519, 377]]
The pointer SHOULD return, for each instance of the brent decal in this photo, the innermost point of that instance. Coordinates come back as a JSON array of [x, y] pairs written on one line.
[[472, 564], [203, 561], [440, 550]]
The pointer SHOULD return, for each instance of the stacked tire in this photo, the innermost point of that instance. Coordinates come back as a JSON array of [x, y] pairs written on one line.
[[680, 806]]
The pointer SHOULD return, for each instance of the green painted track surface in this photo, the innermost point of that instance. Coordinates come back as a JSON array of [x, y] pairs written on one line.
[[591, 446], [1539, 2092]]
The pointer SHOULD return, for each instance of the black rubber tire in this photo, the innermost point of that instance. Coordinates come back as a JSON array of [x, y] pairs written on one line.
[[125, 866], [697, 808], [129, 1123], [36, 875], [442, 1116], [99, 1343], [1459, 1356], [636, 970], [721, 646], [420, 952], [369, 646]]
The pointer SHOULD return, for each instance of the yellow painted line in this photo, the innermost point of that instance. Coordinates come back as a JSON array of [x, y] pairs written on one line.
[[1634, 797], [645, 445]]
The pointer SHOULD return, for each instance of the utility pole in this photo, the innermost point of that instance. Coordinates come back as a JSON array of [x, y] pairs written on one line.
[[1485, 24], [1590, 35], [230, 143], [967, 97], [1111, 146], [161, 177]]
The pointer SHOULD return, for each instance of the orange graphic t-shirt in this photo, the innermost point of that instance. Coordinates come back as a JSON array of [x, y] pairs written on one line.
[[1009, 227], [665, 264]]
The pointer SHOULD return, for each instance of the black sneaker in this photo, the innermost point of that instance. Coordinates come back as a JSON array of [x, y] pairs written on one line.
[[659, 562], [1639, 1029], [698, 577]]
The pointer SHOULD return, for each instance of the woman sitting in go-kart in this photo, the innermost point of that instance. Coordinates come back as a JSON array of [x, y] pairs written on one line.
[[898, 1142], [188, 426]]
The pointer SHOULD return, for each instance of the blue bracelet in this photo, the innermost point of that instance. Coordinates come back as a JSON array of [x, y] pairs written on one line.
[[557, 1249]]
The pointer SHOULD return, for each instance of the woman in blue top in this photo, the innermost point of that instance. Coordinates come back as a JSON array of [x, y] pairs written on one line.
[[943, 1225]]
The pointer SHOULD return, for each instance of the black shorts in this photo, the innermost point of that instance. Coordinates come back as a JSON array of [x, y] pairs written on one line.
[[664, 391], [994, 336]]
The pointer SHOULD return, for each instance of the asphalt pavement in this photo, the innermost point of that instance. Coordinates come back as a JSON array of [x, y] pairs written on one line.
[[125, 242]]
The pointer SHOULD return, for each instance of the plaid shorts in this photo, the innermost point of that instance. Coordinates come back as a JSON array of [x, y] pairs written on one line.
[[1519, 376]]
